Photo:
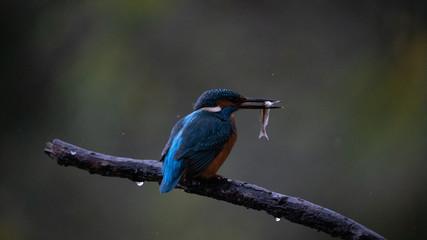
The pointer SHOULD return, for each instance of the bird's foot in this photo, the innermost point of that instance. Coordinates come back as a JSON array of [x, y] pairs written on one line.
[[217, 176]]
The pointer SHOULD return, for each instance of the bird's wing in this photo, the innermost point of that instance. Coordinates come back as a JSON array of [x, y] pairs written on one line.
[[178, 126], [202, 140]]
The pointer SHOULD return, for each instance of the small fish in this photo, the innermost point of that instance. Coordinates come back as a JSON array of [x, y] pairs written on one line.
[[263, 117]]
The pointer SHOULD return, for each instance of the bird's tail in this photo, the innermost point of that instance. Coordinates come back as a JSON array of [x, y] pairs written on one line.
[[172, 171], [168, 184]]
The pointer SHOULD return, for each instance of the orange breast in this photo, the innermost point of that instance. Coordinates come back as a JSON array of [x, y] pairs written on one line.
[[211, 170]]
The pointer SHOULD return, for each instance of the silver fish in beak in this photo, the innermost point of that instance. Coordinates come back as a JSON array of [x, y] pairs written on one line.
[[263, 118], [265, 105]]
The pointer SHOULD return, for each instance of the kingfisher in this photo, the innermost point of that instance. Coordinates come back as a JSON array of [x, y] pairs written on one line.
[[200, 142]]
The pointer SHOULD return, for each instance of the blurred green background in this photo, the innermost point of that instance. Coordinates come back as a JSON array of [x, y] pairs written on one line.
[[115, 76]]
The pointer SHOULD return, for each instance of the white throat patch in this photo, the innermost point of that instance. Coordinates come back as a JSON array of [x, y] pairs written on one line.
[[212, 109]]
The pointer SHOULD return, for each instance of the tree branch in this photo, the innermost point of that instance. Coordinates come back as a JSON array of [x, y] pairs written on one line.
[[296, 210]]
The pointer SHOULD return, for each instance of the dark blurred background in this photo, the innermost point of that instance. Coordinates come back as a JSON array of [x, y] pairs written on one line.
[[115, 76]]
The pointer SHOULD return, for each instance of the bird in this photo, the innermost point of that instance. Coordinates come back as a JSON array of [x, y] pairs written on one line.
[[200, 142]]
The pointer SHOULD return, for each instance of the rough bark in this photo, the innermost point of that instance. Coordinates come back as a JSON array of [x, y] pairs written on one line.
[[296, 210]]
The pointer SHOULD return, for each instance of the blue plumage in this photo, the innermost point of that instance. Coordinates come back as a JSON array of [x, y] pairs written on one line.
[[194, 143], [210, 98]]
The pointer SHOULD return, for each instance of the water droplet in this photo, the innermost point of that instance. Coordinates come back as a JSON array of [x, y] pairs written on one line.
[[272, 74], [277, 219], [123, 133], [139, 183], [73, 152], [178, 116]]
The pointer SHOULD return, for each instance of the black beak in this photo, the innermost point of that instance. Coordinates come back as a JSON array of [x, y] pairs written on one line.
[[259, 103]]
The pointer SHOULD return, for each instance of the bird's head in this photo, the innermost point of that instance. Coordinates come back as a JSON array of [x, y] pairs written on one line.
[[217, 99]]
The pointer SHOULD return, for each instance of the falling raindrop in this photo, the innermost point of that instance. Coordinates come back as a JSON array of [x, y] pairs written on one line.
[[73, 152], [277, 219], [139, 183]]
